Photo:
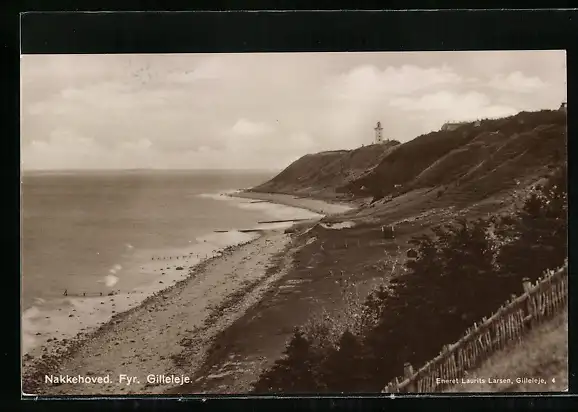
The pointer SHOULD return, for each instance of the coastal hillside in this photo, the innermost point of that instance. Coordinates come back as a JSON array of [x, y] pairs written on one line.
[[322, 174], [543, 353], [480, 158]]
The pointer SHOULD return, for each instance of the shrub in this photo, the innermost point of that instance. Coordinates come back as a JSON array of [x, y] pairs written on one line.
[[342, 369], [537, 233], [459, 274], [294, 371]]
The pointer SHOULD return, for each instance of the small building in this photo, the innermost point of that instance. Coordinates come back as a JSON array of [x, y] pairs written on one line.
[[563, 107], [449, 126]]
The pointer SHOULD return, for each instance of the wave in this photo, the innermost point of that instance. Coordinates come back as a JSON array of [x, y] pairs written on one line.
[[110, 280], [64, 318]]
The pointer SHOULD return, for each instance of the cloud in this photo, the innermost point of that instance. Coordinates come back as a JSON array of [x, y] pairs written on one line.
[[517, 82], [63, 149], [261, 110], [140, 144], [447, 106], [211, 69], [244, 127], [368, 82], [106, 96]]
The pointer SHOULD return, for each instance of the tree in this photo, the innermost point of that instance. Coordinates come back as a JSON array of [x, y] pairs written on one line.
[[537, 236], [294, 372], [342, 370]]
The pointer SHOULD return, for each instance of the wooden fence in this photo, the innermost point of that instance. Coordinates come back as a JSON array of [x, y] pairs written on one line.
[[539, 302]]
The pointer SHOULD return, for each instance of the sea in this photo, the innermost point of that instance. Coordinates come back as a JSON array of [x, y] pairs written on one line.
[[98, 243]]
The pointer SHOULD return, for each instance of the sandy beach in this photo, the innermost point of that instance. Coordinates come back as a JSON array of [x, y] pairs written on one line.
[[169, 333], [313, 205]]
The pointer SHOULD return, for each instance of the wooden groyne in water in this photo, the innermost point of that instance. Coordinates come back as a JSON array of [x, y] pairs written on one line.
[[242, 230], [282, 221]]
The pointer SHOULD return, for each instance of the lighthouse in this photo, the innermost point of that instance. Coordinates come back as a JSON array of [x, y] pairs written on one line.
[[378, 133]]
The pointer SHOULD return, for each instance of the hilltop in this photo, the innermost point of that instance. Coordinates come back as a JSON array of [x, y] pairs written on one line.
[[322, 175], [478, 159], [341, 267], [336, 303]]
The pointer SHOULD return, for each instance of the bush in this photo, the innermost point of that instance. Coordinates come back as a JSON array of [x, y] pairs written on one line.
[[342, 369], [538, 233], [294, 371], [459, 274]]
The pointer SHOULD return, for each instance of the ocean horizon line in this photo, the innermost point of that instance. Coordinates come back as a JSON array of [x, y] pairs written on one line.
[[142, 170]]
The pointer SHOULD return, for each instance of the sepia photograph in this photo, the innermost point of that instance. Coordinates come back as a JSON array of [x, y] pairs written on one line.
[[294, 223]]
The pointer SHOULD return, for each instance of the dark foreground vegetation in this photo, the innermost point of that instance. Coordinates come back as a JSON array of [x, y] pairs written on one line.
[[458, 274]]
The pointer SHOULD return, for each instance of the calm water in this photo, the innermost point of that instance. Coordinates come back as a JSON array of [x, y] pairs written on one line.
[[91, 233]]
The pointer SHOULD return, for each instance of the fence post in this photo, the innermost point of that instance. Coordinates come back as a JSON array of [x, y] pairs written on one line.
[[407, 374], [526, 284], [527, 287]]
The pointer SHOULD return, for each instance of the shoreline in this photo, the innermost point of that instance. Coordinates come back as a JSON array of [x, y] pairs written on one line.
[[33, 366], [60, 321], [250, 258], [323, 207], [129, 337]]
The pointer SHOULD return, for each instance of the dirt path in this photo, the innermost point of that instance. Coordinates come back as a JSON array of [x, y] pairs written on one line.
[[169, 334]]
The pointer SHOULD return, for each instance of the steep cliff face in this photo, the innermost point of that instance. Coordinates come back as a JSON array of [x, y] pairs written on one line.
[[325, 174], [484, 159]]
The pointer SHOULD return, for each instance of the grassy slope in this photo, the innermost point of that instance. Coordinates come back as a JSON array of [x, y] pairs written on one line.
[[543, 353], [484, 159], [322, 173], [480, 161], [323, 257]]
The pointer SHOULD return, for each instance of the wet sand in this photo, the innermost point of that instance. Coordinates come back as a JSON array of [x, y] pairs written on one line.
[[169, 333], [50, 323], [313, 205]]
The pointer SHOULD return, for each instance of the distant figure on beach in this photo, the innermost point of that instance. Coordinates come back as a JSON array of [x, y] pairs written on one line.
[[83, 293], [100, 293], [65, 292]]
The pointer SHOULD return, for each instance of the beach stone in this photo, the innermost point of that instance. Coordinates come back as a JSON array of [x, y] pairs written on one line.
[[70, 316]]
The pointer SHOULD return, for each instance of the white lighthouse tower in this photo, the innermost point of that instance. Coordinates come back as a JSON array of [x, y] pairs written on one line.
[[378, 133]]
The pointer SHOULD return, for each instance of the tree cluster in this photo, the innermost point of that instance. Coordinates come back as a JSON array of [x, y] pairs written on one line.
[[458, 274]]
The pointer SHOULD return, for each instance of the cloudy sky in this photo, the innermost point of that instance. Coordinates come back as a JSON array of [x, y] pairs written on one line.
[[261, 111]]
